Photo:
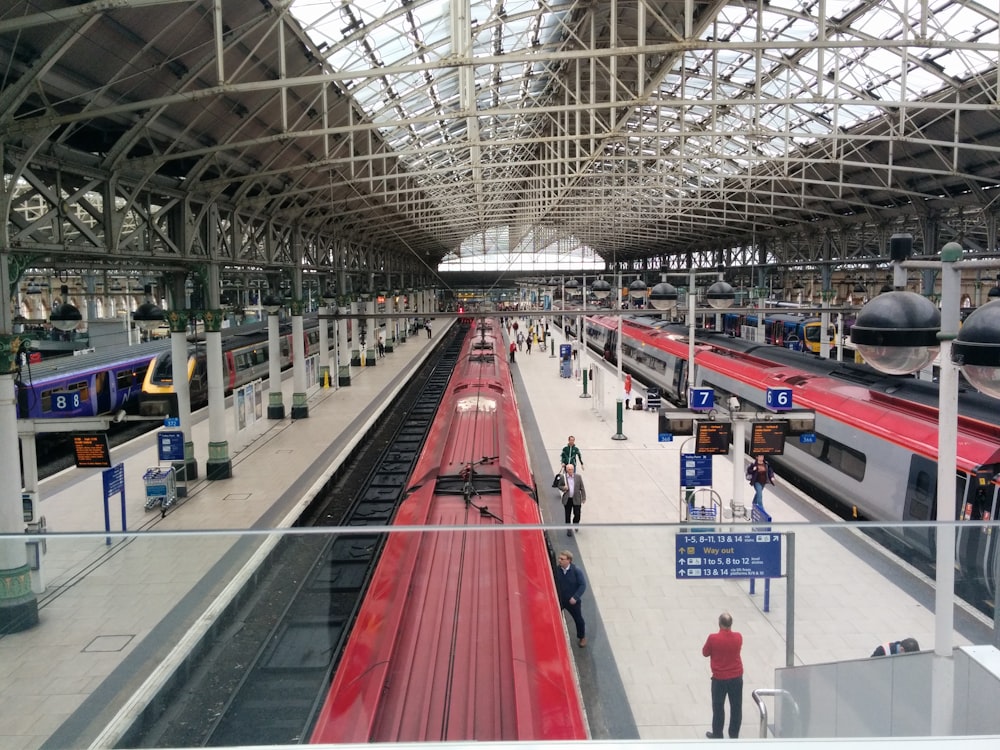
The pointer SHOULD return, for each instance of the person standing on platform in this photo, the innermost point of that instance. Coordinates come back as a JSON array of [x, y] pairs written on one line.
[[427, 325], [513, 348], [759, 474], [574, 495], [571, 454], [723, 650], [570, 585], [530, 337], [628, 389]]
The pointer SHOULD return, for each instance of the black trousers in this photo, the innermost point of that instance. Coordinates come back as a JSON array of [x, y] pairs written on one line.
[[576, 612], [574, 510], [720, 690]]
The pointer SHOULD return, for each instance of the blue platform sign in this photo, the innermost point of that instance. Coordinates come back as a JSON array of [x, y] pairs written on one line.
[[65, 400], [743, 555], [807, 437], [170, 445], [778, 399], [172, 422], [702, 398], [696, 470], [665, 437]]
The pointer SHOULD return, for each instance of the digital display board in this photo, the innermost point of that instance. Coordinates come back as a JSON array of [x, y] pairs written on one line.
[[713, 438], [767, 438], [92, 451]]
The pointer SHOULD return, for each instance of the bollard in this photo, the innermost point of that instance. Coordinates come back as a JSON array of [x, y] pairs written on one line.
[[552, 348], [620, 418], [585, 394]]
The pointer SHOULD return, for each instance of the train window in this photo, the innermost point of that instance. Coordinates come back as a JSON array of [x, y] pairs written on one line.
[[920, 495], [125, 379]]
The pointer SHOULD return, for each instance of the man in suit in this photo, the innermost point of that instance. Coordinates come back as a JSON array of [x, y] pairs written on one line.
[[570, 585], [574, 495]]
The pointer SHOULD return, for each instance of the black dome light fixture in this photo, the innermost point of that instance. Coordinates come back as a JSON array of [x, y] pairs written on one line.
[[148, 315], [66, 317], [601, 289], [896, 332], [720, 295], [663, 296], [271, 303], [977, 349], [637, 290]]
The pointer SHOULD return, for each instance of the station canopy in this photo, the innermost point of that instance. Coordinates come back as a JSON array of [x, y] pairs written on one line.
[[613, 130]]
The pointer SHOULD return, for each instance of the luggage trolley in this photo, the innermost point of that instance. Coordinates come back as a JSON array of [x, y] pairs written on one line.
[[161, 488]]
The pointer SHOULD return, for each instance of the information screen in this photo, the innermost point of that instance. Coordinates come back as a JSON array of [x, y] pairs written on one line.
[[767, 438], [713, 438], [92, 451]]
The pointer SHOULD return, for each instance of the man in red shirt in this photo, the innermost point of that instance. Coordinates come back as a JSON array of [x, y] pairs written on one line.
[[723, 649]]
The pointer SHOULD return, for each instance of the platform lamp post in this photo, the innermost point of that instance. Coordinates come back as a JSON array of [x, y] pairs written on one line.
[[275, 399], [902, 332]]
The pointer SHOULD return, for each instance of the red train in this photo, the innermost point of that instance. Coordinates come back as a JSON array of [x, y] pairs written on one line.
[[874, 450], [460, 637]]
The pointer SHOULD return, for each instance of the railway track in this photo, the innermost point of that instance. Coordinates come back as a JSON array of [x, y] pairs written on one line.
[[265, 675]]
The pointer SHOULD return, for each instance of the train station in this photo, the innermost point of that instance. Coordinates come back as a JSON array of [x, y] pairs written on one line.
[[502, 371]]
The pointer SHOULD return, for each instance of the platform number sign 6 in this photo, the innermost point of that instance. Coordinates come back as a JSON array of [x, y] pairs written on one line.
[[779, 399], [65, 401]]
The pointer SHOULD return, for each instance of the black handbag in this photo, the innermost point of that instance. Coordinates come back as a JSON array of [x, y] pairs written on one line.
[[557, 482]]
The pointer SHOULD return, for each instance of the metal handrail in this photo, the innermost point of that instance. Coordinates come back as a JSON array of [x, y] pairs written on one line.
[[758, 696]]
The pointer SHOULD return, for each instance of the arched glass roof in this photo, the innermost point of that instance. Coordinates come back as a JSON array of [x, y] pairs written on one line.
[[582, 115]]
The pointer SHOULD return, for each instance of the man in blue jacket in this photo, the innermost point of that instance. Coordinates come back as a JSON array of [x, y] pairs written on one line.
[[570, 585]]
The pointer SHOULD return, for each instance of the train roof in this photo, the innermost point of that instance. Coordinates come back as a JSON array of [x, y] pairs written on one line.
[[91, 361]]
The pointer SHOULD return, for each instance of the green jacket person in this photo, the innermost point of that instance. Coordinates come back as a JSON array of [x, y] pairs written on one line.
[[571, 454]]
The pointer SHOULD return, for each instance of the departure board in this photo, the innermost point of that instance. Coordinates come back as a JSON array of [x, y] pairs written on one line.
[[92, 451], [713, 438], [767, 438]]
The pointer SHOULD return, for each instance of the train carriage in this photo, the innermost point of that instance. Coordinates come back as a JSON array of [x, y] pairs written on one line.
[[876, 436], [460, 636]]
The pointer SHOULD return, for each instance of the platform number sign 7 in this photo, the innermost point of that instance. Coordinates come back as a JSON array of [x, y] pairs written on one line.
[[702, 398], [779, 399], [65, 400]]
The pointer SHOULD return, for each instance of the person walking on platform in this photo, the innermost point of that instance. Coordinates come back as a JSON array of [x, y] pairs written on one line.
[[759, 474], [570, 585], [905, 646], [571, 454], [574, 495], [530, 337], [513, 349], [628, 389], [427, 325], [723, 650]]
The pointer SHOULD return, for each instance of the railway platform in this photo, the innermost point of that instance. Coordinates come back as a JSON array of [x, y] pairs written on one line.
[[115, 607], [645, 624], [117, 619]]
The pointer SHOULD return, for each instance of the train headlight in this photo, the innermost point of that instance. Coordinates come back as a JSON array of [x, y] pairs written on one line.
[[977, 349], [896, 332]]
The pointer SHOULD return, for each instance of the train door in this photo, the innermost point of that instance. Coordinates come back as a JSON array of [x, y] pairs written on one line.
[[977, 545], [919, 505], [611, 346], [102, 393]]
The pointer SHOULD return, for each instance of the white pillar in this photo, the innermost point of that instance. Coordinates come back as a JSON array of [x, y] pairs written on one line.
[[219, 465], [300, 408], [18, 605]]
